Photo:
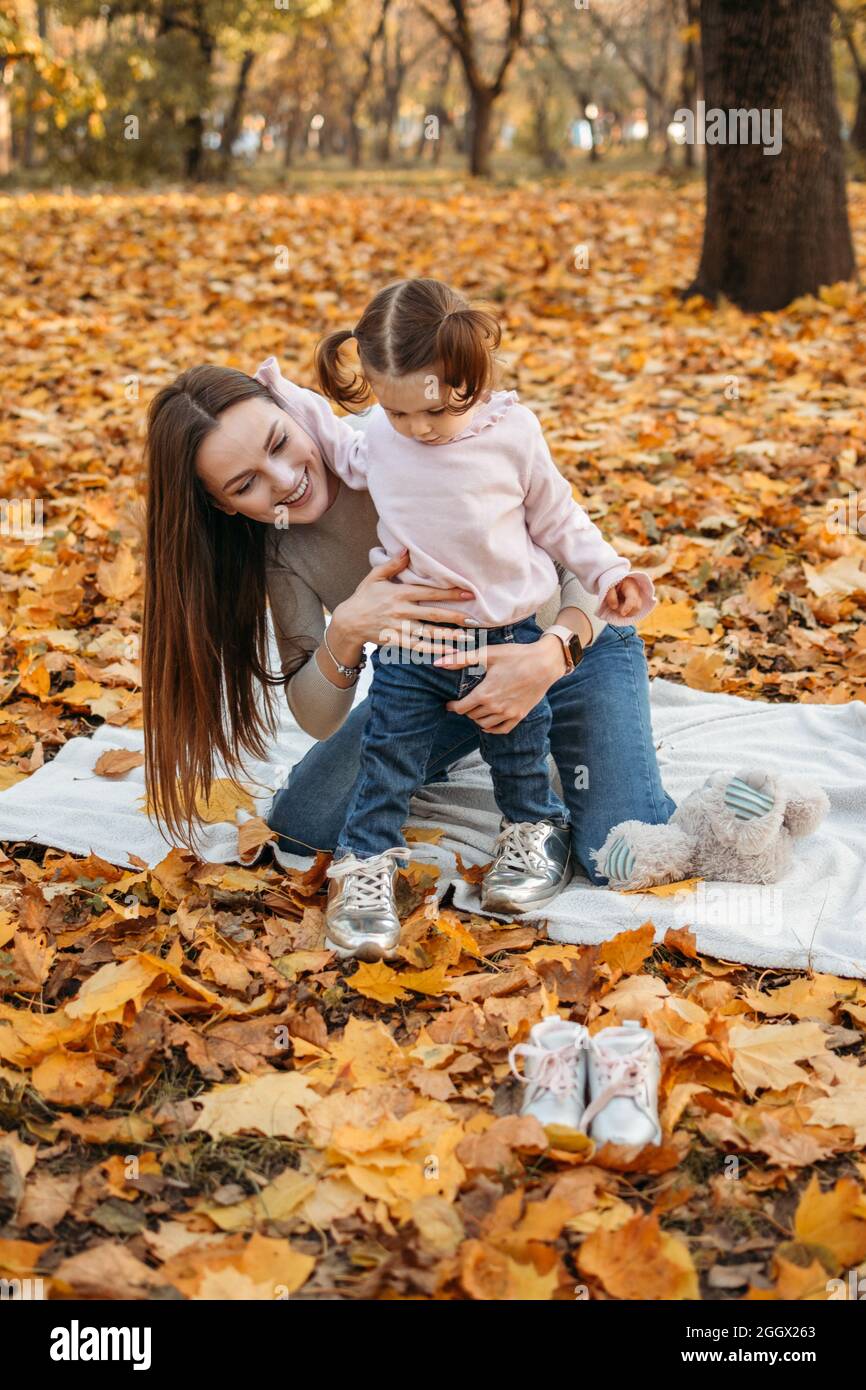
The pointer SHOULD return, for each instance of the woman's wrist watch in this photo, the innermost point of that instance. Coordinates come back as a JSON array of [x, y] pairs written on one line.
[[571, 644]]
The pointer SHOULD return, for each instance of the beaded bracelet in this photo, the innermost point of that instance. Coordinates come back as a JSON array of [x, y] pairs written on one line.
[[346, 671]]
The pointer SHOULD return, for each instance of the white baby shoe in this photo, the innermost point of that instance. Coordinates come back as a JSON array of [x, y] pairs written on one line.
[[624, 1070], [554, 1072]]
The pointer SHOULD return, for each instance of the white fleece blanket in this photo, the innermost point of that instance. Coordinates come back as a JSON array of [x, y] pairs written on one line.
[[815, 918]]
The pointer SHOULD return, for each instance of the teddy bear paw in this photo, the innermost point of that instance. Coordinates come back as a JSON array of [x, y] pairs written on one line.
[[750, 795], [635, 855]]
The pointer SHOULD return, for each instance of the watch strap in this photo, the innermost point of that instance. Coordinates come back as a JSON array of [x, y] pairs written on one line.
[[565, 636]]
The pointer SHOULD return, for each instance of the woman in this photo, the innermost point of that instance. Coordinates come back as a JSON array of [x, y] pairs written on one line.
[[243, 510]]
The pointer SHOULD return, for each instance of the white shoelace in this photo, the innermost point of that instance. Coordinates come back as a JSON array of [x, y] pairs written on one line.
[[556, 1066], [626, 1076], [521, 846], [369, 880]]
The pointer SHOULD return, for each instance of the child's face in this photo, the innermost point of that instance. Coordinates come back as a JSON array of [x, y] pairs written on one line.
[[417, 406]]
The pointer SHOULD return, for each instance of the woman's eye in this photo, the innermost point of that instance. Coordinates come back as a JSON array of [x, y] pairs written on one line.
[[437, 412], [278, 447], [246, 487]]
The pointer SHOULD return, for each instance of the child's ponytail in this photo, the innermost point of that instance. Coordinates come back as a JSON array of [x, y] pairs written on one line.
[[465, 344], [336, 379], [414, 326]]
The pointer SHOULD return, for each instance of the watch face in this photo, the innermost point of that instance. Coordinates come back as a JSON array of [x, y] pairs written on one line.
[[576, 649]]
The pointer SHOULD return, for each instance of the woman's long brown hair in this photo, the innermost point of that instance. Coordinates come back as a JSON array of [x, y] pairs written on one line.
[[204, 661], [414, 326]]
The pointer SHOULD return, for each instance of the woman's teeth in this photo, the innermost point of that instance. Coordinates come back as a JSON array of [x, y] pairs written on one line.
[[299, 492]]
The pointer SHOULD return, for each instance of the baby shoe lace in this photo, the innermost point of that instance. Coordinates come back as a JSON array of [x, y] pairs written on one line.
[[369, 880], [555, 1071], [622, 1076], [521, 846]]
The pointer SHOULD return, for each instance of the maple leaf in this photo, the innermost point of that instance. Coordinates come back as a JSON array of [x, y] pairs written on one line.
[[833, 1221], [640, 1261], [277, 1201], [488, 1274], [119, 578], [669, 619], [273, 1104], [769, 1055], [628, 950], [416, 835], [702, 671], [113, 986], [252, 835], [73, 1078], [379, 982]]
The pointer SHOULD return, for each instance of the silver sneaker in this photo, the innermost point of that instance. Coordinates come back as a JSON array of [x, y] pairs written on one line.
[[530, 866], [361, 917]]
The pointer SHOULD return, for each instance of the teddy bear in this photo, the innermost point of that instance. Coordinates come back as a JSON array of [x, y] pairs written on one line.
[[736, 828]]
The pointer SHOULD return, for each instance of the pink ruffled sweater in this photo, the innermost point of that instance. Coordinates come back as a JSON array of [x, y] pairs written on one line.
[[488, 511]]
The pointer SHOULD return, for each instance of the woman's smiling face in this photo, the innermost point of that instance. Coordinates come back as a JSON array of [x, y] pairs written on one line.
[[260, 463]]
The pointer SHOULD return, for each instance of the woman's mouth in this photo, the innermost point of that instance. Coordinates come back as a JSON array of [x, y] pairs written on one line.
[[294, 499]]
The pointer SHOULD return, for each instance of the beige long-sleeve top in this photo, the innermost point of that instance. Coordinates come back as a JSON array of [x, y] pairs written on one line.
[[311, 569]]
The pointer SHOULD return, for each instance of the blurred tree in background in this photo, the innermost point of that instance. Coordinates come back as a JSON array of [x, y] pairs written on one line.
[[134, 91], [139, 89]]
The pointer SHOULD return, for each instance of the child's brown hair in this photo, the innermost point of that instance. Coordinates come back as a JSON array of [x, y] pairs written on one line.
[[410, 326]]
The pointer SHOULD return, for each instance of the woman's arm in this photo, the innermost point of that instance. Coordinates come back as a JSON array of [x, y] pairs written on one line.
[[578, 608], [318, 705], [319, 695]]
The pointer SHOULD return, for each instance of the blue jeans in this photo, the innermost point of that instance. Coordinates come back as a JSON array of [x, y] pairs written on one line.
[[407, 709], [600, 736]]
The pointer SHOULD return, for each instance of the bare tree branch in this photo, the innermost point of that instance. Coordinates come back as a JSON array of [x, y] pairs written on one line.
[[635, 68]]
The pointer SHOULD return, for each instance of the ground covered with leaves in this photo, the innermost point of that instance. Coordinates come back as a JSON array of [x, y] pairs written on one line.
[[196, 1099]]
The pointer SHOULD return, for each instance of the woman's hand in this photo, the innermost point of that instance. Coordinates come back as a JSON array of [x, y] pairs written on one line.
[[382, 611], [518, 676]]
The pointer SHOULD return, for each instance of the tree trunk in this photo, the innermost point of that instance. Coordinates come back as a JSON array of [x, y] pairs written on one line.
[[858, 130], [481, 131], [5, 127], [293, 127], [233, 120], [356, 149], [690, 77], [389, 120], [545, 149], [194, 152], [29, 150], [776, 224]]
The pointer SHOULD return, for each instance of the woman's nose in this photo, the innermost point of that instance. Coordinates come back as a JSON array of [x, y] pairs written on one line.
[[285, 481]]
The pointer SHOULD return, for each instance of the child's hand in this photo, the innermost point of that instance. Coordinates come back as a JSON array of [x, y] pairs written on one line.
[[625, 597]]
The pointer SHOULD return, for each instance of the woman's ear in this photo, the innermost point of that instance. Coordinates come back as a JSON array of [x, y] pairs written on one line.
[[221, 506]]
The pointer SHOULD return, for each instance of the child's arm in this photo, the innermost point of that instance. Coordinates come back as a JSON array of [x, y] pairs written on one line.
[[343, 448], [562, 528]]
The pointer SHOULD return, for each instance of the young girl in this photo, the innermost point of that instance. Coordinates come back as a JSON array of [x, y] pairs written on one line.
[[462, 480]]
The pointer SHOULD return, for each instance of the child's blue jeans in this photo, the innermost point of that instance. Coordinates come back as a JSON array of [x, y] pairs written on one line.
[[407, 708]]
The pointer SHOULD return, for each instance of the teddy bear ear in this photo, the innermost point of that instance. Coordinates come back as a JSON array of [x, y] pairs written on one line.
[[807, 805], [744, 812]]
